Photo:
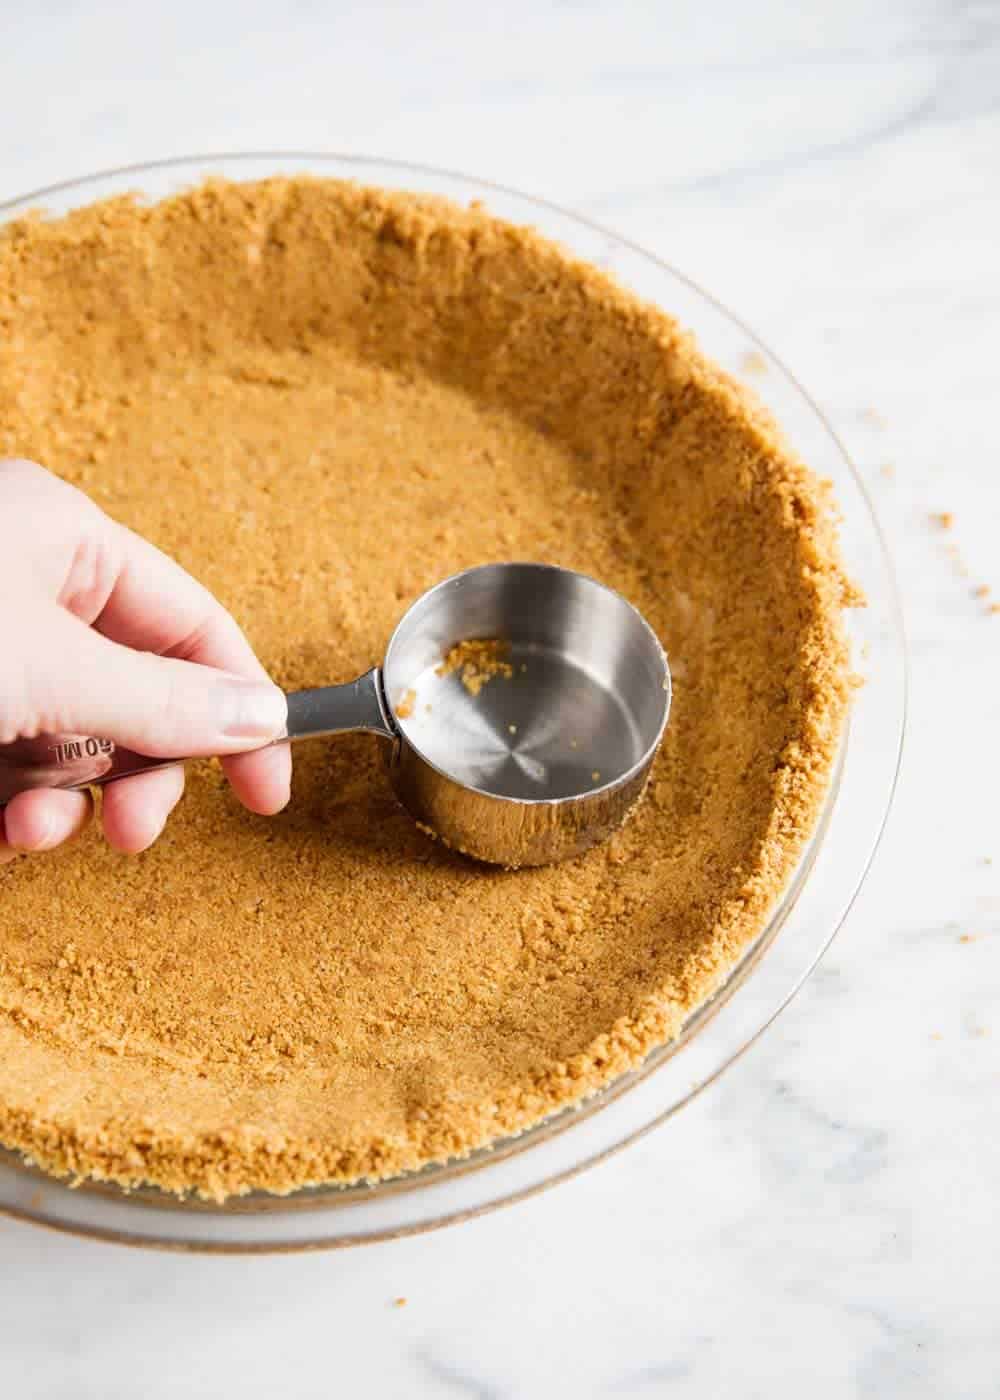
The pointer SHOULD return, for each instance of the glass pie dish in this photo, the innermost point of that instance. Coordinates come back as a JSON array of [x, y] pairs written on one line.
[[801, 925]]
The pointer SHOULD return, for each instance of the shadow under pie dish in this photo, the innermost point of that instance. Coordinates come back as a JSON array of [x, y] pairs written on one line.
[[322, 398]]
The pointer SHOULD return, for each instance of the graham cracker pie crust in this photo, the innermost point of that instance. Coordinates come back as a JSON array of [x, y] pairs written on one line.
[[322, 399]]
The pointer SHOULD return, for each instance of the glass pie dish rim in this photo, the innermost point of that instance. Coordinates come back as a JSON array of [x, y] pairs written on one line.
[[142, 1216]]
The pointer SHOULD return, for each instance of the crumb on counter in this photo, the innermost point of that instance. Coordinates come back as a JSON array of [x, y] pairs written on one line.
[[753, 362], [944, 518]]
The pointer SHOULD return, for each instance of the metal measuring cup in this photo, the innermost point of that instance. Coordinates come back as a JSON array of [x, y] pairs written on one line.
[[532, 750]]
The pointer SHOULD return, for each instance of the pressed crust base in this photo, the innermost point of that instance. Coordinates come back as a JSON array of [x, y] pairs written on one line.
[[322, 399]]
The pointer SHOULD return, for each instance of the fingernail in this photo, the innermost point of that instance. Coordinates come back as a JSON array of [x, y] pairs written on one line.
[[253, 711]]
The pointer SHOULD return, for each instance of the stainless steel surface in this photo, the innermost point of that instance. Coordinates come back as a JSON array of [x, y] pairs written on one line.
[[543, 761], [339, 709]]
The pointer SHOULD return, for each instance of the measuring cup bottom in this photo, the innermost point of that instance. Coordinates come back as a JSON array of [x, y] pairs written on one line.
[[542, 727]]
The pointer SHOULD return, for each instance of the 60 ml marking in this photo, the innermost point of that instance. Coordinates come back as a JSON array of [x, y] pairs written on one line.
[[72, 750]]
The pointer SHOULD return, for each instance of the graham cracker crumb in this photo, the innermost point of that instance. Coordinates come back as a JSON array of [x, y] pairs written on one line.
[[406, 706], [478, 661], [944, 518], [753, 362], [326, 996]]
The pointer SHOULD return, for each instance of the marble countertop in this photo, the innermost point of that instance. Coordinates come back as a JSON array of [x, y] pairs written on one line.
[[822, 1219]]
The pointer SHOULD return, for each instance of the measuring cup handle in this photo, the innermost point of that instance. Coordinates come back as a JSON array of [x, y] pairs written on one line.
[[68, 761], [339, 709], [78, 760]]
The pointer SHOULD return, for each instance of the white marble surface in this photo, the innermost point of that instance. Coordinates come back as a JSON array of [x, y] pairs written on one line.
[[823, 1219]]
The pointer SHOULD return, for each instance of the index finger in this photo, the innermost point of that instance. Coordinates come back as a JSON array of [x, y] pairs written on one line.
[[156, 605]]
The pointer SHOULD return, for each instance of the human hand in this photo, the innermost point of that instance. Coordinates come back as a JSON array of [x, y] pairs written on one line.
[[102, 634]]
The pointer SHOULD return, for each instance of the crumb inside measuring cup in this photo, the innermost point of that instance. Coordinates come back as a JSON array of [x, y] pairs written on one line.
[[477, 661]]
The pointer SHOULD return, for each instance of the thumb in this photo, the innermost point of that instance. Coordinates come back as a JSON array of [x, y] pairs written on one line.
[[76, 681]]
